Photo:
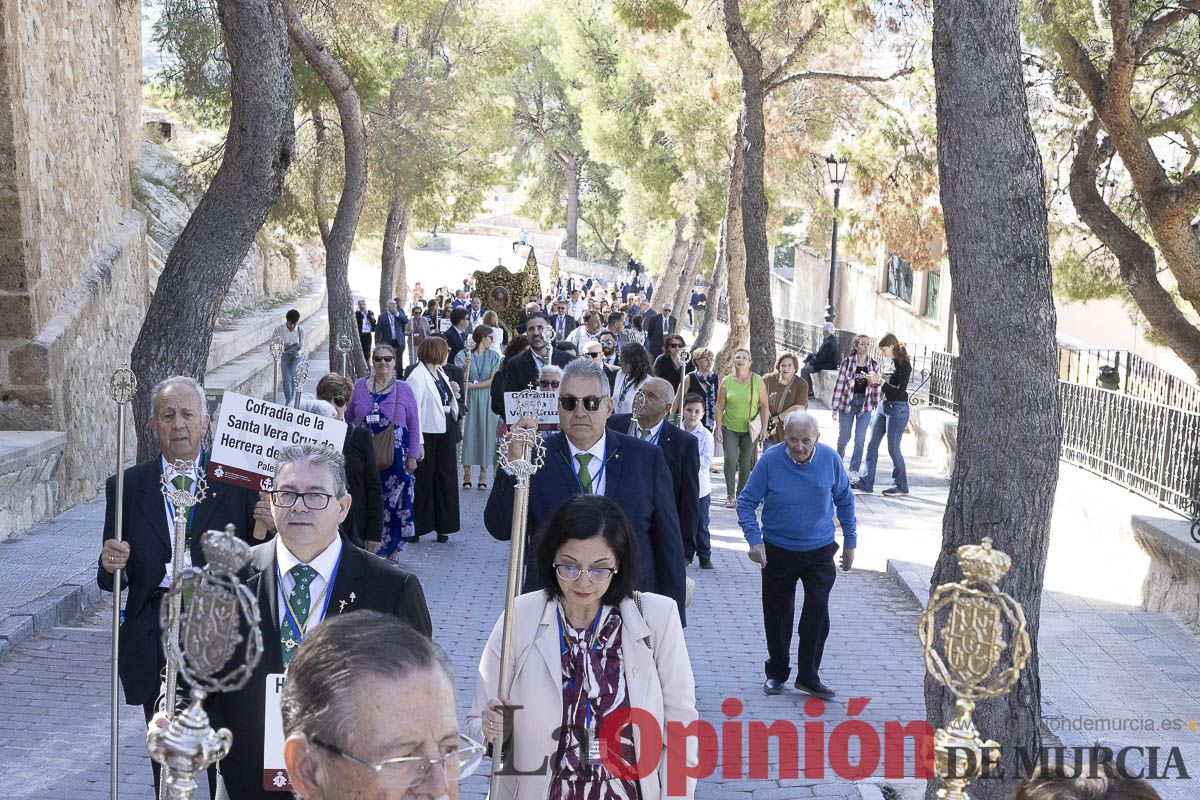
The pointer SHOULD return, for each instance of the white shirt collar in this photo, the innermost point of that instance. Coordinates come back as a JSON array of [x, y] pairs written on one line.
[[323, 563], [653, 431], [596, 450], [168, 469]]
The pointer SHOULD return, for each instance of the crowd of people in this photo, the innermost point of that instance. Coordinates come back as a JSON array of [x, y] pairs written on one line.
[[617, 513]]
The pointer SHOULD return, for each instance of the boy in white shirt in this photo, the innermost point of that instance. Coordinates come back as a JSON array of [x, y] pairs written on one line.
[[693, 415]]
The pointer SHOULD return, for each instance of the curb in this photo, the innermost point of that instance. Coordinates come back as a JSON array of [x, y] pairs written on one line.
[[869, 791], [59, 606], [913, 579]]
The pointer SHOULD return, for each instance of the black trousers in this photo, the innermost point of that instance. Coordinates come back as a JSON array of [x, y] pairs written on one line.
[[435, 497], [816, 571], [365, 340]]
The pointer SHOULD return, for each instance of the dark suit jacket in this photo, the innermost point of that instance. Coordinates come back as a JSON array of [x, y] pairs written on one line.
[[569, 324], [635, 477], [358, 319], [365, 520], [457, 341], [826, 356], [145, 529], [612, 373], [385, 333], [521, 372], [376, 585], [653, 325], [682, 452]]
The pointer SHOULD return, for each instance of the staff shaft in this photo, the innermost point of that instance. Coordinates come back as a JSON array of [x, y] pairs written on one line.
[[516, 568], [119, 522], [176, 598]]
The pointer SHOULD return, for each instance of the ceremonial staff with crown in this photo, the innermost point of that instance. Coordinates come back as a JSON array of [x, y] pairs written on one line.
[[146, 554]]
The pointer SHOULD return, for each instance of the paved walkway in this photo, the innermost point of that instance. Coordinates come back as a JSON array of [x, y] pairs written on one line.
[[1105, 663]]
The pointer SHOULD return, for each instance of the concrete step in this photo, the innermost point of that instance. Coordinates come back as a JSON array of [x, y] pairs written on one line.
[[252, 373], [254, 331]]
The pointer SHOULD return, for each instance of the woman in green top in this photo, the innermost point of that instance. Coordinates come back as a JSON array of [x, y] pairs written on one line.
[[741, 398]]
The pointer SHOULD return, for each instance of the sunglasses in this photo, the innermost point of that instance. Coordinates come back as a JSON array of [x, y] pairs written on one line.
[[593, 355], [547, 384], [590, 403], [384, 359]]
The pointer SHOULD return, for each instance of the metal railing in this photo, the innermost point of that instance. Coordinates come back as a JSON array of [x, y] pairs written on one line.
[[1129, 373]]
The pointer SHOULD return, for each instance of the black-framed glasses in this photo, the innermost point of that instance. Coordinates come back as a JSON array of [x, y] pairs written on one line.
[[568, 402], [590, 354], [548, 384], [385, 359], [570, 572], [313, 501], [408, 771], [674, 345]]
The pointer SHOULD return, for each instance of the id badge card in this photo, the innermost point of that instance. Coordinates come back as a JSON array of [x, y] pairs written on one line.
[[373, 419], [275, 777]]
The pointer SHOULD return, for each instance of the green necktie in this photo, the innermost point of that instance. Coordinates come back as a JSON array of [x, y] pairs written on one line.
[[298, 602], [645, 434], [585, 474]]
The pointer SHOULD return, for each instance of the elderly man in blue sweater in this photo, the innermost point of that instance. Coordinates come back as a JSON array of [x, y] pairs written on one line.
[[798, 484]]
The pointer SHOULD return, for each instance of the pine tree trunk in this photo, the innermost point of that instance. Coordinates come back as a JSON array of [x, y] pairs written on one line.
[[735, 263], [993, 200], [691, 266], [354, 187], [175, 336], [708, 318], [668, 280], [321, 133], [572, 176], [754, 218], [393, 282]]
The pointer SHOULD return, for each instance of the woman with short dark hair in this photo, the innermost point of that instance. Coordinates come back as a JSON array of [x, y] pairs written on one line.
[[890, 418], [669, 366], [617, 649]]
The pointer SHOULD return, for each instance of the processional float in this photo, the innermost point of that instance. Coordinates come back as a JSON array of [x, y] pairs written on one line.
[[976, 616], [529, 454]]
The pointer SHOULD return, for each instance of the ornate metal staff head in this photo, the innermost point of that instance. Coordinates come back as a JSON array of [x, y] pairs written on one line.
[[277, 348], [973, 641], [638, 405], [122, 386], [301, 375], [184, 499], [533, 452], [343, 344], [685, 356], [211, 629]]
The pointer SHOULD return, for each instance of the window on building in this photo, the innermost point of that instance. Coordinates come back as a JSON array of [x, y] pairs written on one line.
[[933, 287], [899, 278]]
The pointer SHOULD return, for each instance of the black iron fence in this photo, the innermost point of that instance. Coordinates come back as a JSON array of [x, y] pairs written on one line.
[[1142, 432]]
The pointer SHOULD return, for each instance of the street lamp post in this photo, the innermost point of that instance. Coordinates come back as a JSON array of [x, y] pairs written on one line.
[[837, 174]]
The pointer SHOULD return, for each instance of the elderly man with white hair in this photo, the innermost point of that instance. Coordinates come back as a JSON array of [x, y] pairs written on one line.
[[798, 484], [825, 357]]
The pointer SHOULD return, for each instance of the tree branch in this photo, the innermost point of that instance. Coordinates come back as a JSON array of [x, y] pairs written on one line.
[[1079, 65], [801, 45], [835, 76], [1157, 27]]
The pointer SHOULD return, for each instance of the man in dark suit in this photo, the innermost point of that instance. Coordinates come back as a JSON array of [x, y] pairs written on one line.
[[657, 326], [308, 503], [561, 323], [595, 351], [532, 306], [680, 449], [583, 457], [178, 420], [457, 335], [390, 330], [522, 371], [365, 322]]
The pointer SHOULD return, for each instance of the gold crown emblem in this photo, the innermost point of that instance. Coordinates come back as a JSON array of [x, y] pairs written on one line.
[[981, 564], [224, 551]]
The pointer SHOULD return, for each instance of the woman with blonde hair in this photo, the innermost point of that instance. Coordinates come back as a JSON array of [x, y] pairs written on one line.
[[742, 407], [784, 395], [855, 398]]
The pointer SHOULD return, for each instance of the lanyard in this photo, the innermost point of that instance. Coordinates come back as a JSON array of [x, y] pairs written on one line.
[[171, 508], [575, 467], [654, 439], [594, 645], [287, 606]]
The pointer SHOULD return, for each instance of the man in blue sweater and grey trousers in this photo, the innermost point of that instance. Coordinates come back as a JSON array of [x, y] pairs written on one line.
[[798, 484]]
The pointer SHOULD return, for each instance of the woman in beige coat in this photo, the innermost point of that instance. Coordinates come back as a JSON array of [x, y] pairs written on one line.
[[585, 648]]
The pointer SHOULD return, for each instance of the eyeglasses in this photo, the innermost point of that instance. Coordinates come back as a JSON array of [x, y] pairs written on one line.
[[570, 572], [674, 346], [409, 771], [568, 402], [313, 501], [547, 384], [385, 359], [593, 354]]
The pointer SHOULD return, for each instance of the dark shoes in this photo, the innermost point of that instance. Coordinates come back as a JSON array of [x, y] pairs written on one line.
[[893, 492], [706, 563], [817, 689], [772, 686], [858, 487], [442, 538]]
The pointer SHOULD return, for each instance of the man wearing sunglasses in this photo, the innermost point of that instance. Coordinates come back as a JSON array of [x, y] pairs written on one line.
[[594, 351], [584, 457], [306, 574]]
